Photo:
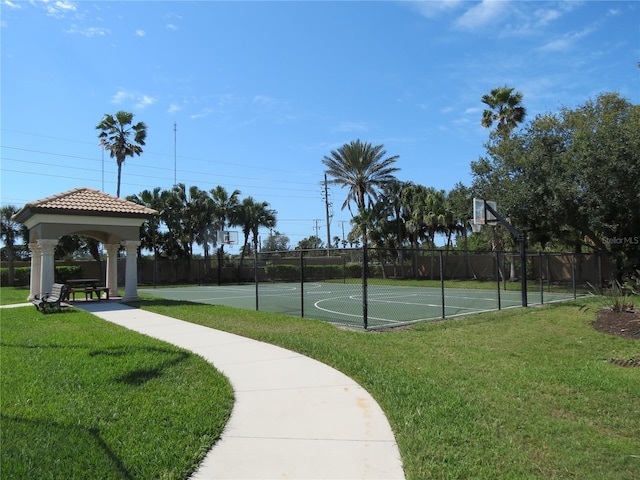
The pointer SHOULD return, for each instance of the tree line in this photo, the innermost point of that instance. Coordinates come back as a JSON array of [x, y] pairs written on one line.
[[569, 179]]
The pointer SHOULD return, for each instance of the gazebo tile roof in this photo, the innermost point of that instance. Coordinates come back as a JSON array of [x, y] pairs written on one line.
[[87, 200]]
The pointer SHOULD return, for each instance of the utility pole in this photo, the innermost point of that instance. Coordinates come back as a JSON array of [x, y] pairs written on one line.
[[175, 138], [327, 205], [317, 233]]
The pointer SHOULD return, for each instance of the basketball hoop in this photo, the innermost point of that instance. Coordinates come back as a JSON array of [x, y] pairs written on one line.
[[227, 237], [476, 227]]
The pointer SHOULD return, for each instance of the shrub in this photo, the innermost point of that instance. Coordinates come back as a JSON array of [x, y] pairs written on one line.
[[282, 272], [22, 275]]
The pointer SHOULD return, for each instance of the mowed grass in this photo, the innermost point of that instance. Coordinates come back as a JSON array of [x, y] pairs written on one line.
[[82, 398], [513, 394], [13, 295]]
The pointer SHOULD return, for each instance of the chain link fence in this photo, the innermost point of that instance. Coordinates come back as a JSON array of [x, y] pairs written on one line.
[[378, 288]]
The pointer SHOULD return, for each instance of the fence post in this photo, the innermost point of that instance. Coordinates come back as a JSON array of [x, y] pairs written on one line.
[[442, 283], [365, 267], [523, 260], [573, 274], [255, 273], [541, 283], [498, 277], [301, 283]]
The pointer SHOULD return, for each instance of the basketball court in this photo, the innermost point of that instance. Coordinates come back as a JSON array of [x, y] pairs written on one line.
[[341, 303], [386, 305]]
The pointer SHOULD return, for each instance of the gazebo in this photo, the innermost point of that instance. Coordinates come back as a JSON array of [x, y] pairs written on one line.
[[113, 221]]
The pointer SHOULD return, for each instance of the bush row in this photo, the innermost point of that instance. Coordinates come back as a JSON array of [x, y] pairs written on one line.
[[319, 272], [22, 275]]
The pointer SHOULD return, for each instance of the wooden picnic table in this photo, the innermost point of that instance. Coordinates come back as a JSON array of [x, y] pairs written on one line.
[[88, 286]]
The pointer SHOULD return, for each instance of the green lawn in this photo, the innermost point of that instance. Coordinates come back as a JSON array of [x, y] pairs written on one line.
[[512, 394], [82, 398], [13, 295]]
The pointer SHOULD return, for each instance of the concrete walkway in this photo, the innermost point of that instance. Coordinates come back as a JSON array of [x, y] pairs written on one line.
[[293, 417]]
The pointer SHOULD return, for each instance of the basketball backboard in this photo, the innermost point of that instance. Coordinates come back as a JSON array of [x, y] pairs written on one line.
[[481, 214], [227, 237]]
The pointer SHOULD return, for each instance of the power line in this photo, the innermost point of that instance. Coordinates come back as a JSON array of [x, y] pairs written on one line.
[[133, 163], [232, 164], [200, 175]]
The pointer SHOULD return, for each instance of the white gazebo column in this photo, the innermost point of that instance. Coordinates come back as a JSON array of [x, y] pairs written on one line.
[[47, 264], [36, 262], [112, 267], [131, 270]]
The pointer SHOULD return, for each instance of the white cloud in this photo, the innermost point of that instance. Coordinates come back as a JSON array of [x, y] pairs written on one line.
[[171, 26], [120, 97], [88, 31], [350, 127], [546, 15], [566, 41], [482, 14], [59, 8], [140, 33], [144, 101], [431, 9], [263, 100], [173, 108], [138, 100], [203, 113], [11, 4]]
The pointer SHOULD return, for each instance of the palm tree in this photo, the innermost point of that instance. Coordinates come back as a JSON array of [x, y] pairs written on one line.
[[10, 231], [251, 216], [392, 197], [505, 108], [176, 216], [150, 230], [434, 214], [225, 209], [413, 199], [202, 211], [361, 168], [114, 137]]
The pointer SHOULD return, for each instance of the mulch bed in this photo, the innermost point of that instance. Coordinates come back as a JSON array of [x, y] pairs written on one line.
[[624, 324]]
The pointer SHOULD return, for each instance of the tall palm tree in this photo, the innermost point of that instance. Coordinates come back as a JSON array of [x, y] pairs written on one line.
[[225, 209], [251, 216], [505, 108], [413, 199], [150, 233], [115, 133], [434, 214], [202, 211], [392, 197], [362, 169], [10, 231], [177, 217]]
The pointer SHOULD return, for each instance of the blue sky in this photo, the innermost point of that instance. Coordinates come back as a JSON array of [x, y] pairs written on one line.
[[261, 91]]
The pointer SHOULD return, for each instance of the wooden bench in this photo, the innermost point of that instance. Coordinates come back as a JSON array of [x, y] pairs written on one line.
[[48, 301]]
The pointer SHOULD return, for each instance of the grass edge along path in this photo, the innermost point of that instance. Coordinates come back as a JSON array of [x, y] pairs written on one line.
[[525, 393], [81, 397]]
